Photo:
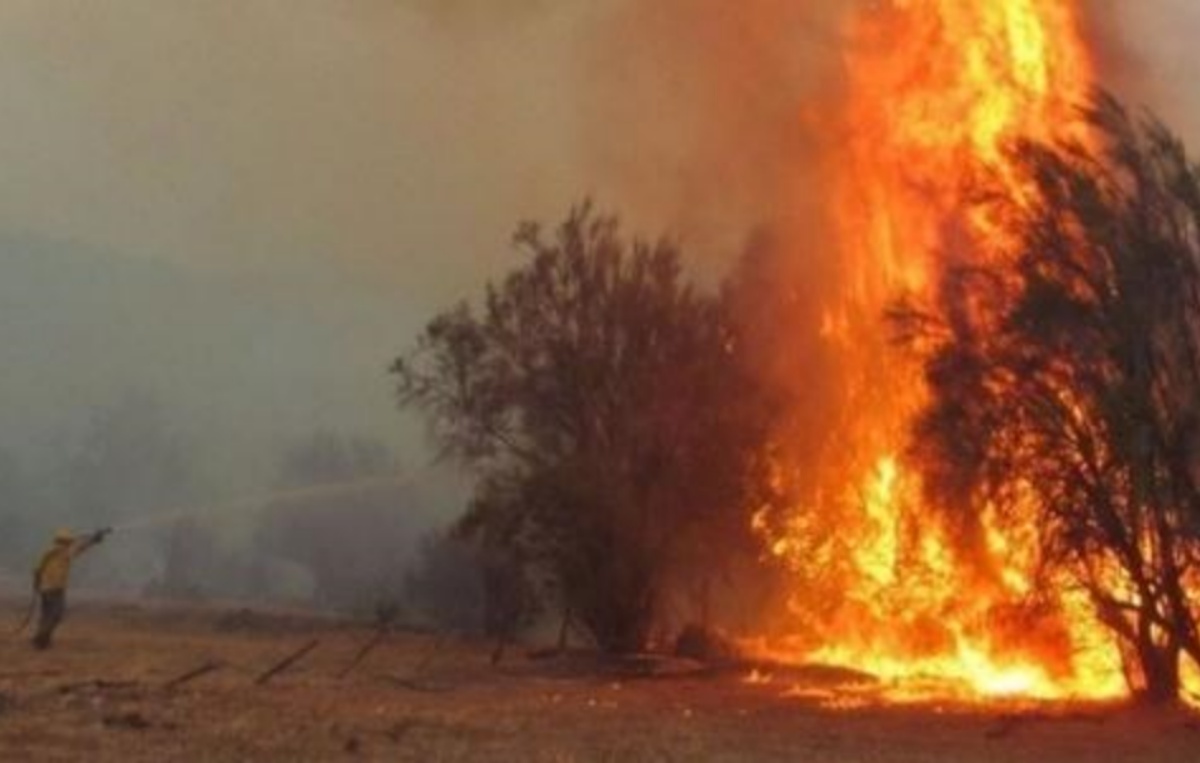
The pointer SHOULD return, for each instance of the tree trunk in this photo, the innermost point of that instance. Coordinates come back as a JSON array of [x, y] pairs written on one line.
[[1158, 657], [1160, 674], [564, 629], [619, 627]]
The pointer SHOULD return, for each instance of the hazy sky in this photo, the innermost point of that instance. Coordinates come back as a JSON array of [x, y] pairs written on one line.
[[265, 136], [274, 194], [1162, 35], [291, 186], [371, 138]]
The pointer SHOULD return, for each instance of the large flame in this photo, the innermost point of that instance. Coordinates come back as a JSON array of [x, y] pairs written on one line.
[[884, 583]]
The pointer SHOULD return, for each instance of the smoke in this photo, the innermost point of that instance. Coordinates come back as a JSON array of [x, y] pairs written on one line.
[[701, 113], [715, 122], [352, 139], [247, 208], [482, 16], [1147, 55], [708, 118], [252, 206]]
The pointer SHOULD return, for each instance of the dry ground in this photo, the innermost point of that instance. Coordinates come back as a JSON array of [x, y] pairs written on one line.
[[100, 696]]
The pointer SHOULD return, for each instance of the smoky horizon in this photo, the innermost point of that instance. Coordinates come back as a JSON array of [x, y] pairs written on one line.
[[222, 223]]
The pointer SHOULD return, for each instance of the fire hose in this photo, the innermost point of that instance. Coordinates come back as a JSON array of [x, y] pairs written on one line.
[[28, 618]]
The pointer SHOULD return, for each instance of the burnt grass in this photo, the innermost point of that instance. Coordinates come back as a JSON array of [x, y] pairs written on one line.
[[146, 682]]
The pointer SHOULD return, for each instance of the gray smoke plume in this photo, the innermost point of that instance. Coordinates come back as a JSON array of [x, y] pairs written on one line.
[[246, 209]]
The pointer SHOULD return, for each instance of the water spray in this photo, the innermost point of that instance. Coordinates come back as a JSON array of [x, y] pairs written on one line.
[[166, 517]]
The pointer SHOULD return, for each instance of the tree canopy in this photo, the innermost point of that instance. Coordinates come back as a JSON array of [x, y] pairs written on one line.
[[1066, 378], [609, 413]]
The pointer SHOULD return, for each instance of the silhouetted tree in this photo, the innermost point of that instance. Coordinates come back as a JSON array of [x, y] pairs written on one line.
[[344, 516], [1066, 378], [610, 416], [355, 540], [445, 584]]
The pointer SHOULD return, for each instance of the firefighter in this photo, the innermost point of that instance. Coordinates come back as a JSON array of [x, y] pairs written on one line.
[[50, 580]]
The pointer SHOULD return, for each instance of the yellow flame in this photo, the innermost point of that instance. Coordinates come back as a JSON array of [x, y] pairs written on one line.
[[935, 87]]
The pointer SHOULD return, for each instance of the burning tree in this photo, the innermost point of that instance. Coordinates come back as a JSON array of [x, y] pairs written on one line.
[[1065, 379], [608, 411]]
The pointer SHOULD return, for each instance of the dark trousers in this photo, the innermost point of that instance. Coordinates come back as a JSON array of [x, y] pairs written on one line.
[[54, 606]]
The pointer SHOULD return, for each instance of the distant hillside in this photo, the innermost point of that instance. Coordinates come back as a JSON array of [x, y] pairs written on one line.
[[246, 366]]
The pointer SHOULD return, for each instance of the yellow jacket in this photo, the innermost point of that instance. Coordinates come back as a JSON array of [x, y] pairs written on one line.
[[54, 570]]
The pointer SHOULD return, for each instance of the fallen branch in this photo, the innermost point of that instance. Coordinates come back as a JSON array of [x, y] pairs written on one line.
[[412, 684], [21, 674], [193, 674], [369, 647], [127, 720], [286, 662], [97, 684], [427, 659], [27, 617]]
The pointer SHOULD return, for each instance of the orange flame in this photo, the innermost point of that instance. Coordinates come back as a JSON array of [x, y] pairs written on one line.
[[883, 583]]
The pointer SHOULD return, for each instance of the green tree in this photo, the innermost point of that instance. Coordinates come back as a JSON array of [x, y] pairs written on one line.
[[609, 413]]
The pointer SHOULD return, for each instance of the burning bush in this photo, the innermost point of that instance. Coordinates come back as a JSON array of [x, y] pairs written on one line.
[[1066, 380], [607, 409]]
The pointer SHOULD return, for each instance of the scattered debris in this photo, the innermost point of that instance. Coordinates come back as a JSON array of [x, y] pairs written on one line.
[[398, 730], [1009, 723], [242, 619], [287, 662], [634, 666], [193, 674], [426, 660], [126, 720], [703, 644], [23, 674], [413, 679], [277, 622], [413, 684], [98, 684], [1005, 726], [367, 648]]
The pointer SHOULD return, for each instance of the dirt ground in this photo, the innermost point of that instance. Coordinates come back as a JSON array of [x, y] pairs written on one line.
[[103, 694]]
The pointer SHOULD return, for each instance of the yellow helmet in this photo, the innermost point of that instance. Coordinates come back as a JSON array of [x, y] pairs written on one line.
[[64, 536]]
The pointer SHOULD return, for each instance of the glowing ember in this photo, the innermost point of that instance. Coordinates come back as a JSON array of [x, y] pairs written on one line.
[[757, 677], [883, 583]]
